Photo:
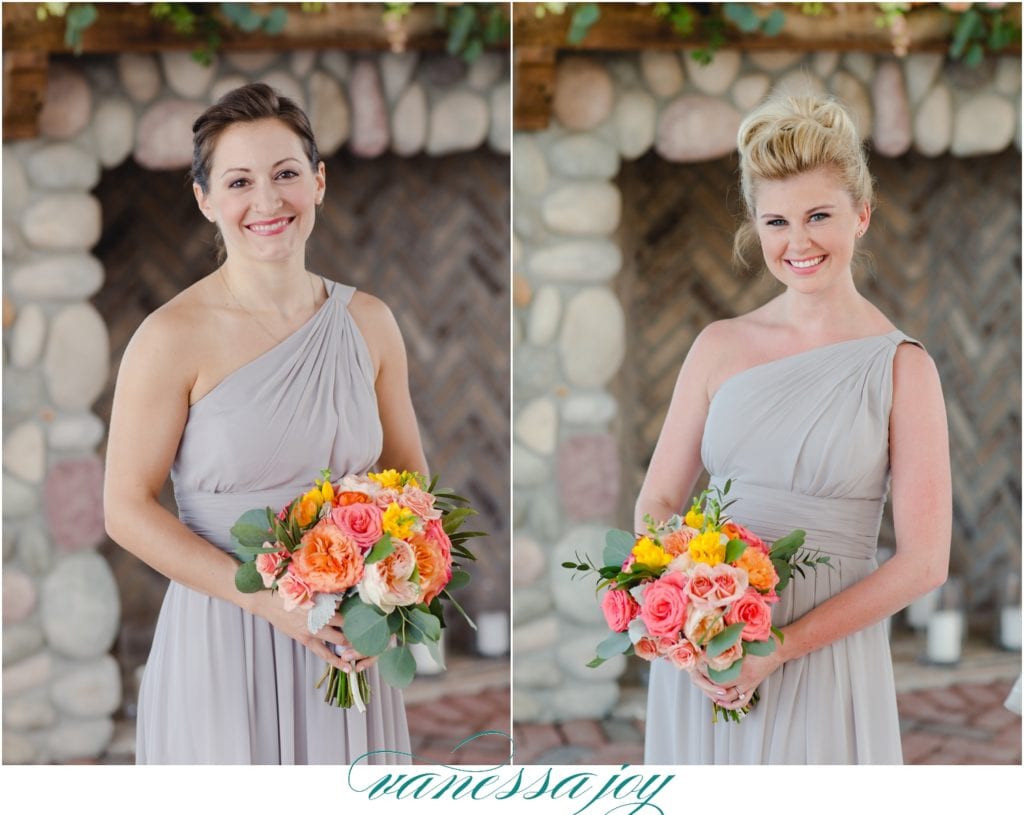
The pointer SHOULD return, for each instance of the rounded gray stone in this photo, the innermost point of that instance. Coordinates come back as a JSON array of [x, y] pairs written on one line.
[[851, 92], [528, 469], [20, 499], [662, 72], [88, 689], [535, 370], [409, 121], [530, 169], [529, 707], [21, 640], [697, 128], [634, 122], [825, 63], [715, 78], [574, 596], [80, 739], [861, 65], [541, 633], [77, 360], [164, 137], [29, 711], [799, 83], [528, 561], [75, 432], [35, 550], [64, 220], [1008, 79], [585, 700], [67, 104], [983, 124], [19, 595], [113, 129], [486, 70], [921, 71], [63, 166], [28, 336], [336, 63], [65, 276], [933, 122], [545, 512], [536, 426], [286, 85], [139, 75], [584, 94], [328, 112], [459, 121], [589, 408], [23, 393], [15, 184], [26, 674], [79, 608], [499, 136], [583, 208], [187, 77], [251, 62], [225, 84], [536, 671], [371, 134], [396, 71], [530, 602], [545, 313], [774, 61], [578, 648], [25, 452], [749, 90], [20, 748], [593, 338], [583, 155], [580, 261], [301, 62], [893, 131]]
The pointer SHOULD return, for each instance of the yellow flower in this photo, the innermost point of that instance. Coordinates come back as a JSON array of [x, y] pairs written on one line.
[[650, 554], [694, 519], [397, 521], [327, 491], [307, 508], [708, 547], [390, 479]]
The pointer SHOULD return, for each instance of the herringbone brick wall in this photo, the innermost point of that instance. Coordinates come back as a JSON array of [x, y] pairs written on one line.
[[944, 265]]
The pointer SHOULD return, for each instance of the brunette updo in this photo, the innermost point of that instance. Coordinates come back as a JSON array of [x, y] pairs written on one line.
[[788, 135], [249, 103]]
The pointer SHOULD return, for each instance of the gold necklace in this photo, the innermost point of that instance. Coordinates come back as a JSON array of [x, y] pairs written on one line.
[[257, 320]]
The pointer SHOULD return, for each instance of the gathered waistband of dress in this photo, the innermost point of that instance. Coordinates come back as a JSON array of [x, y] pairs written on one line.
[[844, 527]]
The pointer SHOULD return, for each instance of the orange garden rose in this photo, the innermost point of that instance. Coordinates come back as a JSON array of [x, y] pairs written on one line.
[[759, 568], [434, 565], [328, 560], [678, 542], [343, 499]]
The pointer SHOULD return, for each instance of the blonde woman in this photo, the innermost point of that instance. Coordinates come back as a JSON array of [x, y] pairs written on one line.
[[817, 407]]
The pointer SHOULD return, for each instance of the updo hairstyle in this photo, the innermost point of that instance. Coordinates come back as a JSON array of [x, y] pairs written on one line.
[[788, 135]]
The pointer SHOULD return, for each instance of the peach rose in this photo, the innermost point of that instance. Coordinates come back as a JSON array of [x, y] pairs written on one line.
[[619, 609], [294, 591], [434, 531], [734, 530], [387, 583], [328, 560], [359, 521], [419, 501], [683, 655], [664, 606], [647, 649], [701, 586], [730, 583], [760, 571], [269, 563], [702, 626], [385, 497], [727, 657], [434, 565], [751, 610], [678, 542]]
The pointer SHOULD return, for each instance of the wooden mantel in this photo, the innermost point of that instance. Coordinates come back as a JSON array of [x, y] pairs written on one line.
[[120, 27], [538, 40]]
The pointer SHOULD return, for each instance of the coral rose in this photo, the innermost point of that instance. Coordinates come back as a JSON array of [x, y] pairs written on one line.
[[294, 591], [683, 655], [701, 586], [434, 565], [760, 571], [664, 605], [730, 583], [751, 610], [385, 497], [328, 560], [647, 649], [359, 521], [734, 530], [268, 564], [619, 609], [388, 582], [434, 531], [677, 542]]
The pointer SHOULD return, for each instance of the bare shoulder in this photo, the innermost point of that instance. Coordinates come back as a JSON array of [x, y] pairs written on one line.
[[915, 375], [378, 326]]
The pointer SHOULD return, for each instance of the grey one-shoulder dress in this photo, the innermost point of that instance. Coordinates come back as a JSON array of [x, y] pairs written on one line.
[[222, 686], [805, 440]]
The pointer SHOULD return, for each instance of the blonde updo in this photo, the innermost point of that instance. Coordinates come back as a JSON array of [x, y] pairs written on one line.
[[788, 135]]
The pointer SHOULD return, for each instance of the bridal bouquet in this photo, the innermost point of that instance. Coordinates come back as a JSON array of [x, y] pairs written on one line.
[[378, 548], [695, 590]]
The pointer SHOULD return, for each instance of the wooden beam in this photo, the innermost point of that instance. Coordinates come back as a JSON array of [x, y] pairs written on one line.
[[25, 75], [130, 27], [534, 86]]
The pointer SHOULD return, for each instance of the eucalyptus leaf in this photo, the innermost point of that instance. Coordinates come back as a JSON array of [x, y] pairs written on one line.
[[397, 666], [773, 23], [742, 15], [247, 579], [724, 640], [759, 648], [787, 546], [734, 549], [596, 662], [381, 549], [583, 17], [459, 578], [251, 529], [433, 646], [613, 645], [366, 628], [276, 20], [729, 674], [618, 545], [425, 622]]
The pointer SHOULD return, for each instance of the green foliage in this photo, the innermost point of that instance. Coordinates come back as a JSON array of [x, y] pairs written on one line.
[[381, 549], [365, 626], [472, 27], [397, 666], [981, 28], [724, 640], [247, 579], [584, 15], [729, 674], [618, 544]]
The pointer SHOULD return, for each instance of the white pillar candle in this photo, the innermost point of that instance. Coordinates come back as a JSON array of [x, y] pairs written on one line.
[[425, 664], [492, 633], [920, 611], [1009, 628], [945, 636]]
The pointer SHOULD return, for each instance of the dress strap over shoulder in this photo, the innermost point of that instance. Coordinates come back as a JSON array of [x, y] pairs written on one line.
[[342, 291], [898, 338]]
